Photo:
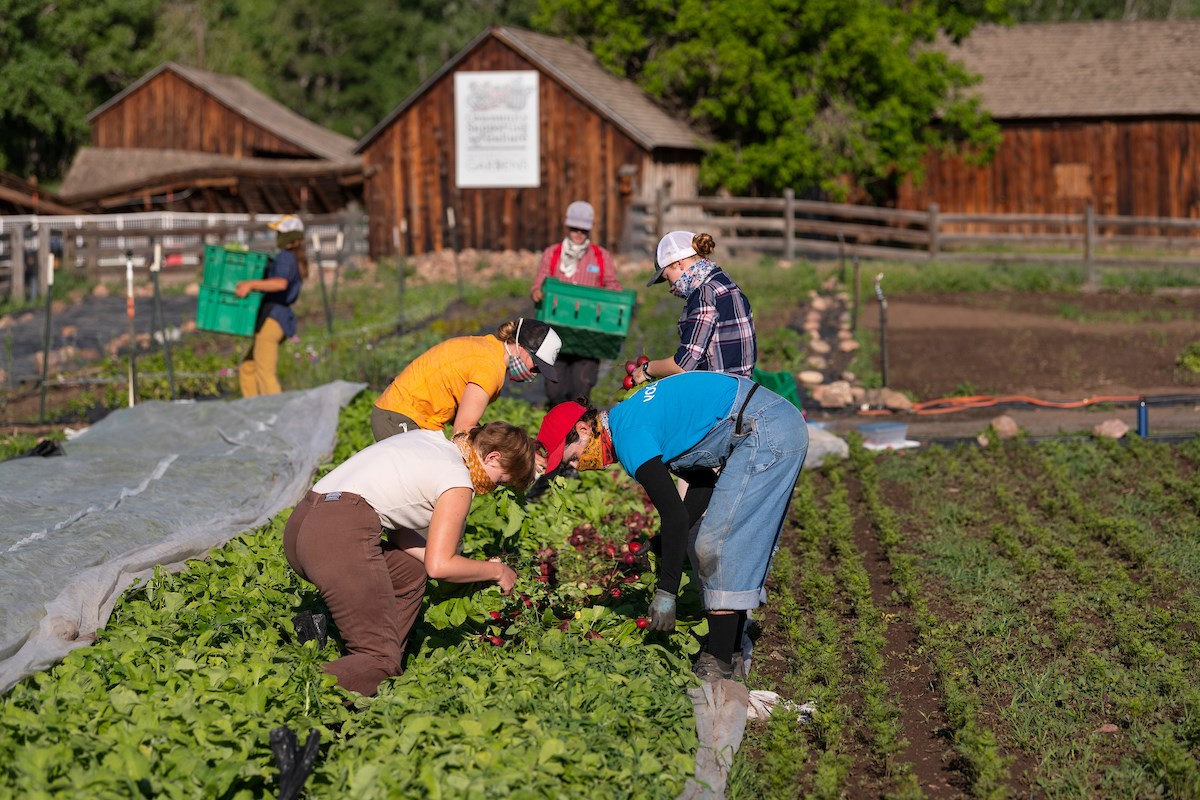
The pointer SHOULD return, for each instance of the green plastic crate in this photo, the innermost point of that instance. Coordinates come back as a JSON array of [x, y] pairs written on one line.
[[781, 383], [225, 265], [225, 312], [591, 321]]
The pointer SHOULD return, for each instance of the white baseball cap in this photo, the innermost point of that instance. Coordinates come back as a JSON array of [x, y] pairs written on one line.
[[672, 247], [286, 224]]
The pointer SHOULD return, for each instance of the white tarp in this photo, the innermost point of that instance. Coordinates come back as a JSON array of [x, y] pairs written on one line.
[[159, 483]]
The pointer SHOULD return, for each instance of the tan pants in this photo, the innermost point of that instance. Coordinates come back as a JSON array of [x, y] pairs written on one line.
[[256, 375]]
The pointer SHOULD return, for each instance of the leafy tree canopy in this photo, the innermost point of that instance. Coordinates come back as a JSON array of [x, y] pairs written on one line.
[[825, 95], [342, 63], [58, 61]]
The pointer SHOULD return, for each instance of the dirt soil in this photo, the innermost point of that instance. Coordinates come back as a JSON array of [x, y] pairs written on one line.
[[1049, 347]]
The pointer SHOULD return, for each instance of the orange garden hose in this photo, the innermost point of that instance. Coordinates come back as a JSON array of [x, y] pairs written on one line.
[[948, 405]]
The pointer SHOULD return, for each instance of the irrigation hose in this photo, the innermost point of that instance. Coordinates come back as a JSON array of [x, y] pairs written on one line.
[[949, 405]]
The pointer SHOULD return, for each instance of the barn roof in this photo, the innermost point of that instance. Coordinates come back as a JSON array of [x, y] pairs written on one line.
[[616, 98], [1086, 69], [98, 173], [243, 98]]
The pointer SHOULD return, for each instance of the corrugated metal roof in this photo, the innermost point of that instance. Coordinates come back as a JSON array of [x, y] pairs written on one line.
[[243, 98], [618, 99], [1085, 69]]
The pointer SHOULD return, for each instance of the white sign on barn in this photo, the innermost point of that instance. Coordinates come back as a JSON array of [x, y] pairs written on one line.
[[496, 129]]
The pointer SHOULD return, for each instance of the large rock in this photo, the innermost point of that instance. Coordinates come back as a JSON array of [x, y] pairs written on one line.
[[1110, 429], [1006, 427], [834, 395], [824, 445], [895, 401]]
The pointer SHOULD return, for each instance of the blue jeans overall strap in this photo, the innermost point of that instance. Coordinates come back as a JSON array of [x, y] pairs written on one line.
[[739, 533]]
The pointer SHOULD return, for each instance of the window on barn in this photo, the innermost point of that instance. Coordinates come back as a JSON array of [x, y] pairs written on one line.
[[1073, 181]]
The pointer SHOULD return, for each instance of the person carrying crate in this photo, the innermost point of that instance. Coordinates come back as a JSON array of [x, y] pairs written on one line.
[[578, 260], [276, 320]]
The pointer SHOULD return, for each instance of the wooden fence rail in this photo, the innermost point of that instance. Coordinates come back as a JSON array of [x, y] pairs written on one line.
[[786, 226]]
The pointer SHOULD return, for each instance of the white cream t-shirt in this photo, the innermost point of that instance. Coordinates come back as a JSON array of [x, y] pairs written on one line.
[[401, 477]]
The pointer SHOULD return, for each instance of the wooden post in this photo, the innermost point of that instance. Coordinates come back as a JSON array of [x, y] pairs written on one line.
[[789, 224], [1089, 236], [660, 209], [935, 233], [17, 282], [43, 258]]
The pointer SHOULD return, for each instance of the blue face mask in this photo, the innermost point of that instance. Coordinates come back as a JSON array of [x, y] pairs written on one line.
[[517, 371]]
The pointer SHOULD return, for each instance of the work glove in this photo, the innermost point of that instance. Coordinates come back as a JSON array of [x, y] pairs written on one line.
[[294, 762], [662, 611]]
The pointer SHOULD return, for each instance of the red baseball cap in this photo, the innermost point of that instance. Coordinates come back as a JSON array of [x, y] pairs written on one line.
[[556, 426]]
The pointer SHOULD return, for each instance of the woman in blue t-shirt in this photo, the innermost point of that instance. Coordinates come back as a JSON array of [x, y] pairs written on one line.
[[739, 446], [276, 320]]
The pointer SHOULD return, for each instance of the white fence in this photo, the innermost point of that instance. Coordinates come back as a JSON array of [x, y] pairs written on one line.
[[99, 245]]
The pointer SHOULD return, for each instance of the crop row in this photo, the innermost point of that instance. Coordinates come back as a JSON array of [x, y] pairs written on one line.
[[556, 692], [1052, 591]]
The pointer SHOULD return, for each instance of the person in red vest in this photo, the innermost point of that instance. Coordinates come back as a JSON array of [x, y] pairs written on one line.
[[576, 259]]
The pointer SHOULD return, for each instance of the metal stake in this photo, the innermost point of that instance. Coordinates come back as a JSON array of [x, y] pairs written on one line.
[[883, 354]]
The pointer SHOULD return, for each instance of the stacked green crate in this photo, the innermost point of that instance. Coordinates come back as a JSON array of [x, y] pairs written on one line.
[[591, 321], [220, 310]]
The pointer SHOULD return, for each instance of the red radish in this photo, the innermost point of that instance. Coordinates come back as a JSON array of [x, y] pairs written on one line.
[[642, 360], [642, 622], [628, 382], [496, 640], [629, 558], [614, 593], [630, 366], [635, 547], [496, 615]]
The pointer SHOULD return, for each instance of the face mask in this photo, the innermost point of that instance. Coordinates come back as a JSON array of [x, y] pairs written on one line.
[[517, 371]]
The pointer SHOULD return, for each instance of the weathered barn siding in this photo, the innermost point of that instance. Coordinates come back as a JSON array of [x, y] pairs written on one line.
[[1143, 167], [411, 165], [170, 113]]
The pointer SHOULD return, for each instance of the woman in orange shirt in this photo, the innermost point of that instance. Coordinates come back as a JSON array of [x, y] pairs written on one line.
[[454, 382]]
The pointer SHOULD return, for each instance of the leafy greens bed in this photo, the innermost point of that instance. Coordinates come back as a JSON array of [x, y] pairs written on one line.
[[555, 691]]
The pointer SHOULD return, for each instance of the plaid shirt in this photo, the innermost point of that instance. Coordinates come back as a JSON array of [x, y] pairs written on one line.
[[716, 330]]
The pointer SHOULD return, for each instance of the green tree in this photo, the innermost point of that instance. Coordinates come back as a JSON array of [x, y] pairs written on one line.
[[58, 61], [829, 97], [342, 63]]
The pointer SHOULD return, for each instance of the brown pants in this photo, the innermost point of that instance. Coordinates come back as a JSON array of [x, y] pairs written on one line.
[[373, 588], [256, 374]]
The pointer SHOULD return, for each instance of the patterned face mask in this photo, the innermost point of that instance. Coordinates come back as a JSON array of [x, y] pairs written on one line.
[[692, 277], [598, 453], [517, 371], [481, 482]]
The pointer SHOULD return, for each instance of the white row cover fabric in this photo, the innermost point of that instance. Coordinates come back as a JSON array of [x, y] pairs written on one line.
[[156, 484]]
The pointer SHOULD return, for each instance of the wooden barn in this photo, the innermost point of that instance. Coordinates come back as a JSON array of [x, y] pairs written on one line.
[[1100, 113], [185, 139], [489, 151]]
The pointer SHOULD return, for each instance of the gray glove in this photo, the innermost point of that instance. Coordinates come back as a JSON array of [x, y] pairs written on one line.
[[662, 611]]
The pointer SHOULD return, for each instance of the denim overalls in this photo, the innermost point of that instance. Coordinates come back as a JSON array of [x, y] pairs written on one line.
[[739, 533]]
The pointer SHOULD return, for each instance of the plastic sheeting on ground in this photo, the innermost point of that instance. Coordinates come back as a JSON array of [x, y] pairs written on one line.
[[156, 484]]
